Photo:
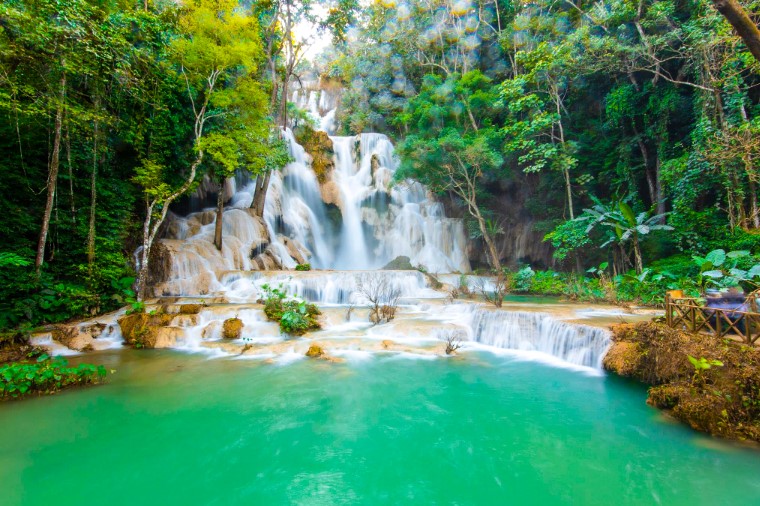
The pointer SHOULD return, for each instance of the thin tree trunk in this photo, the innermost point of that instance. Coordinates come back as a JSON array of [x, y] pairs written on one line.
[[742, 23], [569, 190], [93, 190], [71, 175], [260, 196], [491, 247], [658, 187], [219, 213], [52, 177], [753, 203], [637, 255]]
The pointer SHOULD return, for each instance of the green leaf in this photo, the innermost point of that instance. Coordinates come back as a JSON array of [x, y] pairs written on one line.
[[754, 271], [628, 213], [713, 274], [717, 257], [737, 254]]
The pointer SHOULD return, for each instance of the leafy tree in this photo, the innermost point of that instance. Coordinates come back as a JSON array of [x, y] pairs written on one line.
[[218, 51], [626, 225], [455, 147]]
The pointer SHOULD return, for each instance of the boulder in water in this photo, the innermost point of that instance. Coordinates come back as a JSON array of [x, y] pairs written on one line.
[[232, 328], [315, 351], [190, 308], [142, 330], [77, 337], [401, 263]]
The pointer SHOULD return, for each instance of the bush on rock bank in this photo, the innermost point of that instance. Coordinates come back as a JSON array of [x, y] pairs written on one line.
[[709, 383]]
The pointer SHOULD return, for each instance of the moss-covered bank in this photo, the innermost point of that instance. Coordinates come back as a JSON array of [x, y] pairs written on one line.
[[723, 400]]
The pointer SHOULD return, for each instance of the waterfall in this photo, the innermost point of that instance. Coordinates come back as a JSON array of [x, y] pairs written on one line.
[[324, 287], [377, 222], [525, 331]]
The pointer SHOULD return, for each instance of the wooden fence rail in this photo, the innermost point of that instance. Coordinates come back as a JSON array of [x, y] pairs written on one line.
[[686, 313]]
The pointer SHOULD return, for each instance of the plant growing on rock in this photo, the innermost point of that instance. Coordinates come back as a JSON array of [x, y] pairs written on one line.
[[453, 340], [380, 295], [702, 364], [294, 316], [502, 285], [125, 295]]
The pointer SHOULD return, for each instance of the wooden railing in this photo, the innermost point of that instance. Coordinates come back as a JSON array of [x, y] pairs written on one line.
[[686, 313]]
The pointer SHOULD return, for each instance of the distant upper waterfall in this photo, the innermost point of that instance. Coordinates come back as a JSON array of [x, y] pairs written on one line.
[[357, 218]]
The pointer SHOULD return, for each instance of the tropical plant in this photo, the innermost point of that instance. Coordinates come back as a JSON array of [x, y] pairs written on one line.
[[45, 375], [721, 269], [626, 225]]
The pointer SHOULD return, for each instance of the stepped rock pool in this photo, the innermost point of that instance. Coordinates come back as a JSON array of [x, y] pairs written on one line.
[[382, 428]]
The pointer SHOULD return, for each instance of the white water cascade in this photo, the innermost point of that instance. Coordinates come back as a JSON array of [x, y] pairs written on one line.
[[581, 345], [349, 224], [368, 222]]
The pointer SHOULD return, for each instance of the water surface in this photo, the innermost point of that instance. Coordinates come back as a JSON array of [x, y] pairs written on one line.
[[173, 428]]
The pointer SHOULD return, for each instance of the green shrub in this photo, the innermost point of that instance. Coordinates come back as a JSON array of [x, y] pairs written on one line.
[[294, 316], [522, 280], [303, 267], [45, 376]]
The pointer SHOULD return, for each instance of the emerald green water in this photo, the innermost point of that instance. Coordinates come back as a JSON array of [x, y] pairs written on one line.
[[171, 428]]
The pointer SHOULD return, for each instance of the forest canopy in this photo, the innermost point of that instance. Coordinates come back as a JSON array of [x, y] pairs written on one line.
[[627, 131]]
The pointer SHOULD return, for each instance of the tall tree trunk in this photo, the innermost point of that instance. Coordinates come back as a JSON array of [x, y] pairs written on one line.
[[742, 23], [569, 191], [493, 255], [219, 213], [658, 187], [52, 176], [71, 175], [753, 203], [93, 189], [260, 195], [637, 255]]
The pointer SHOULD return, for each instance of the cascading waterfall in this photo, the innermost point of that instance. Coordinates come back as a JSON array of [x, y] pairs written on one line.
[[526, 331], [378, 222], [326, 287], [356, 220]]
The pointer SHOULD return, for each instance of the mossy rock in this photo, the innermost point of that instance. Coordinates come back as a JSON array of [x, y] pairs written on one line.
[[190, 308], [402, 263], [141, 330], [623, 359], [315, 351], [319, 145], [232, 328]]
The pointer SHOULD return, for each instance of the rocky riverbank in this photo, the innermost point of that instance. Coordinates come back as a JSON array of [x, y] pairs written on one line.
[[716, 391]]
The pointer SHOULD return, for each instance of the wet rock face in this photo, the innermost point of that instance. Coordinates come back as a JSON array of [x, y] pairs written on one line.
[[320, 147], [190, 308], [78, 338], [232, 328], [401, 263], [315, 351], [142, 330]]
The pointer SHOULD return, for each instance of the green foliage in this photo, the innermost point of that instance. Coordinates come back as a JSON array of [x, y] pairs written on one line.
[[567, 237], [125, 295], [702, 364], [294, 316], [723, 270], [522, 281], [303, 267], [46, 375]]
